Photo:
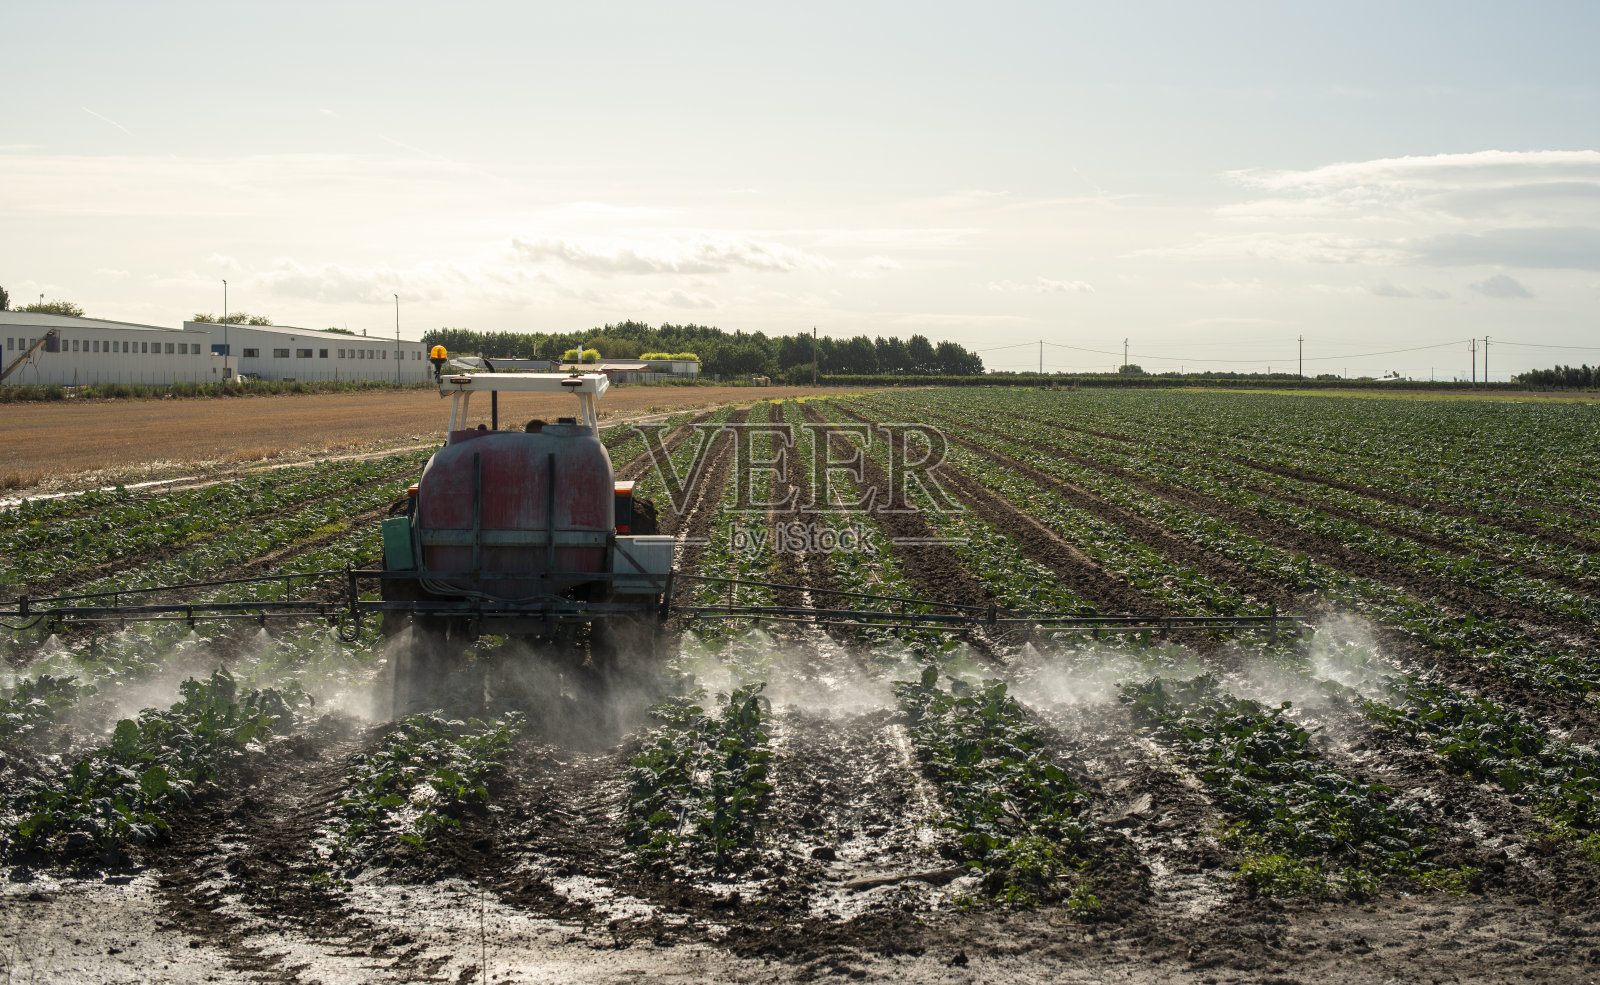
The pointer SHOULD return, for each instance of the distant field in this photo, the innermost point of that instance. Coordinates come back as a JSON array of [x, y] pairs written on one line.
[[1378, 393], [67, 444]]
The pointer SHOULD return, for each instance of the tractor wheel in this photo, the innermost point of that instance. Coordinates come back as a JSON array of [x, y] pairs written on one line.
[[624, 659], [625, 648], [644, 517], [419, 666]]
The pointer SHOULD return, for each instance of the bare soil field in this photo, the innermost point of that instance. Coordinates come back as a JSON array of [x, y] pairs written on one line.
[[71, 444]]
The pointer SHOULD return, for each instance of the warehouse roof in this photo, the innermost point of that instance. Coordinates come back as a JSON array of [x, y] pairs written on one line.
[[33, 318], [320, 333]]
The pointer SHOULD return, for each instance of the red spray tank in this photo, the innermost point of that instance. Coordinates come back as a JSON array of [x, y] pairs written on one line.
[[513, 503]]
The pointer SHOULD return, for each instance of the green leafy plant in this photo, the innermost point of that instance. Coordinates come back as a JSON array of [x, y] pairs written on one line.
[[1017, 814], [34, 703], [127, 790], [1299, 824], [700, 785], [425, 777]]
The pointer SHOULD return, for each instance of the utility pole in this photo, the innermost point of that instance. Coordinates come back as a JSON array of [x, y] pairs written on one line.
[[225, 350], [1124, 353], [813, 355], [397, 338], [1041, 357], [1486, 359], [1302, 357], [1474, 348]]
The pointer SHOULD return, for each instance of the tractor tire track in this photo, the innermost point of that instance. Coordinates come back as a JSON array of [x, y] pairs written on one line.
[[933, 569], [638, 465], [1047, 547], [253, 843]]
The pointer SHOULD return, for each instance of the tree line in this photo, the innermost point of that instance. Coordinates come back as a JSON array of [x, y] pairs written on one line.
[[786, 357], [1583, 377]]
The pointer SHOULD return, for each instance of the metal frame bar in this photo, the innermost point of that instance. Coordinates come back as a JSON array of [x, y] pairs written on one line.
[[953, 618]]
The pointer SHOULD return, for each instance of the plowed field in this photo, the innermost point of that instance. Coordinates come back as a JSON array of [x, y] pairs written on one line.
[[1402, 790]]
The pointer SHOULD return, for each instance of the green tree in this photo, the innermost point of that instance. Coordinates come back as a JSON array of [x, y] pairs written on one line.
[[234, 318], [53, 308], [341, 331], [5, 300], [920, 351], [1130, 369]]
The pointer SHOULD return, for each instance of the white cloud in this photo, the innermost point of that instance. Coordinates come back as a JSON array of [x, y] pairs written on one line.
[[1228, 322], [1501, 286], [1556, 248], [1230, 286], [1041, 285], [679, 298], [1045, 285], [1388, 290], [704, 254], [336, 283], [873, 267], [1537, 209], [1301, 247], [1438, 171]]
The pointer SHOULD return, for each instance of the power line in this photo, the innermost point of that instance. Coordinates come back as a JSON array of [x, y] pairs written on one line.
[[997, 348], [1126, 356], [1389, 352], [1541, 345]]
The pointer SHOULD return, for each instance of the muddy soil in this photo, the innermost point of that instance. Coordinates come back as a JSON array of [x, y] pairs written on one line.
[[854, 880]]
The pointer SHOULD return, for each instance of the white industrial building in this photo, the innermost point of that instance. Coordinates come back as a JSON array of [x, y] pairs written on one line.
[[94, 350], [280, 352]]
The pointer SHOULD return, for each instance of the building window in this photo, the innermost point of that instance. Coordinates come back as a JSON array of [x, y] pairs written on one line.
[[361, 353], [251, 353], [341, 353], [322, 353], [144, 347], [172, 348], [280, 353], [74, 345], [371, 354], [124, 347], [183, 348], [302, 353]]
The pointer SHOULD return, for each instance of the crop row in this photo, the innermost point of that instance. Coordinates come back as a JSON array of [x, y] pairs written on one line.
[[861, 561], [1010, 577], [127, 790], [1017, 815], [125, 529], [1499, 646], [1501, 465], [1478, 737], [1231, 483], [699, 788], [34, 703], [1300, 825], [425, 777], [674, 478], [739, 546]]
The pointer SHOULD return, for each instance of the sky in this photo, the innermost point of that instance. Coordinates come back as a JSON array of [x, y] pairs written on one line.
[[1224, 185]]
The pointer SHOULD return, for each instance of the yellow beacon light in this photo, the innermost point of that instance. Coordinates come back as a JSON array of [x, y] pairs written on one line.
[[438, 353]]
